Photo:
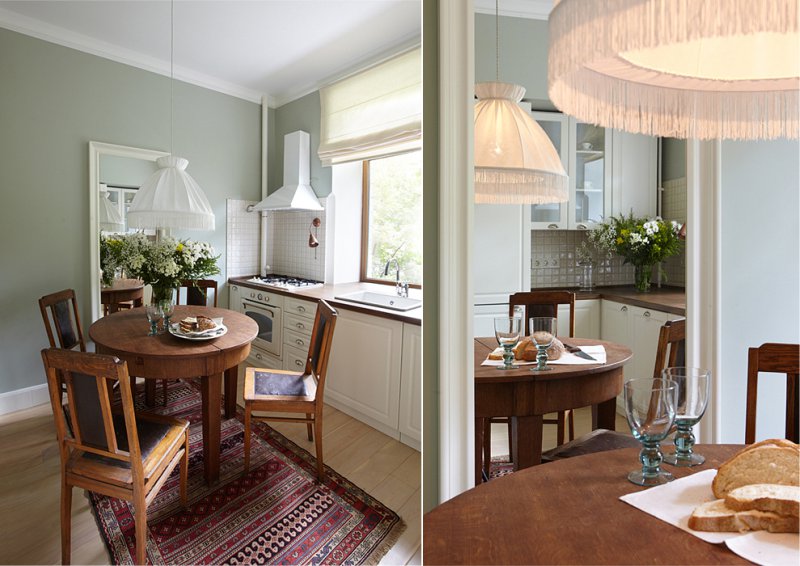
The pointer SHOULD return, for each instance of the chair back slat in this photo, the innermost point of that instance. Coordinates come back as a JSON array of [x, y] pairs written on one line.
[[671, 350], [197, 292], [543, 303], [320, 347], [774, 358], [62, 321]]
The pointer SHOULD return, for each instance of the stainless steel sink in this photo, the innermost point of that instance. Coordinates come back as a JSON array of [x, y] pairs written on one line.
[[380, 300]]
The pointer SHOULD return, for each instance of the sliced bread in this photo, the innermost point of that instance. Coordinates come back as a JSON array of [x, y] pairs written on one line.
[[774, 462], [780, 499], [715, 516]]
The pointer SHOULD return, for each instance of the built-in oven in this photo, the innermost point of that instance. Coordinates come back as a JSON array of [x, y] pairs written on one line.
[[270, 323]]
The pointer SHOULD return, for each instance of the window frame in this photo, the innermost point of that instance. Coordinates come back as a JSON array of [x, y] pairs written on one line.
[[365, 226]]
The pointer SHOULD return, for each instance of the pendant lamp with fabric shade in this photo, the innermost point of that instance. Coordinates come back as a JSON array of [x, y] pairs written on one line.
[[170, 198], [110, 218], [727, 69], [515, 161]]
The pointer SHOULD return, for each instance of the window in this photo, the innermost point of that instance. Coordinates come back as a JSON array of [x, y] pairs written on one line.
[[392, 219]]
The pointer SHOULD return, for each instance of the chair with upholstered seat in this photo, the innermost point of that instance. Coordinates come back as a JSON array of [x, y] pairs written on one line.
[[671, 352], [534, 303], [774, 358], [62, 321], [110, 450], [292, 392]]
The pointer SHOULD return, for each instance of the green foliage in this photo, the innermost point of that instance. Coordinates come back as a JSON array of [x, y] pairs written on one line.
[[639, 241]]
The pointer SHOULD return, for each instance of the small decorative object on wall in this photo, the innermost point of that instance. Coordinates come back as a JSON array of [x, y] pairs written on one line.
[[640, 241], [313, 233]]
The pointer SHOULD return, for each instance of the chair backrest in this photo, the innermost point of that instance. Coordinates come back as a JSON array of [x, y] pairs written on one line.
[[320, 347], [93, 427], [61, 320], [197, 292], [543, 303], [774, 358], [671, 351]]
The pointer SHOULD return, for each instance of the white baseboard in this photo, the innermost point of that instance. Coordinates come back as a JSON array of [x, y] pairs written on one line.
[[25, 398]]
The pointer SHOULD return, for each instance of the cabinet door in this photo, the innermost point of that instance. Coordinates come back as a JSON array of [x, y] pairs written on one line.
[[483, 318], [234, 298], [645, 327], [556, 126], [614, 323], [411, 387], [587, 318], [634, 174], [590, 175], [501, 252], [364, 369]]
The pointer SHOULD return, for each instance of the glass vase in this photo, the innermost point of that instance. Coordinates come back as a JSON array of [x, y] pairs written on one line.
[[642, 276], [161, 294]]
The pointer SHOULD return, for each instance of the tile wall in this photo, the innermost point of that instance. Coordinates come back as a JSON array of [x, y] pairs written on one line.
[[243, 239], [673, 206], [287, 244]]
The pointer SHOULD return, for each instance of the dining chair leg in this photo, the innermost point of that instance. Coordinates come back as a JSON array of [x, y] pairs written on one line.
[[66, 520], [560, 429], [164, 390], [486, 427], [318, 444], [571, 418], [247, 410], [310, 427], [185, 468], [510, 444], [140, 520]]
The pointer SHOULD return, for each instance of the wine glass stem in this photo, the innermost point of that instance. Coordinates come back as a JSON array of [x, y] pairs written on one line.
[[541, 357], [684, 442], [153, 328], [651, 458], [508, 357]]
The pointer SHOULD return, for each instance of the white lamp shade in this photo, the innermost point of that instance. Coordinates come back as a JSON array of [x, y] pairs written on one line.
[[110, 218], [170, 198], [515, 161], [705, 69]]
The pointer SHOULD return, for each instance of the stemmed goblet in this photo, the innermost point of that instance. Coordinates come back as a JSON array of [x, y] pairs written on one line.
[[507, 330], [154, 316], [543, 332], [650, 410], [167, 308], [692, 398]]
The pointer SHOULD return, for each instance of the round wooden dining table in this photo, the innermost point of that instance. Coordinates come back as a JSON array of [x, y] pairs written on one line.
[[567, 512], [526, 396], [125, 334], [126, 292]]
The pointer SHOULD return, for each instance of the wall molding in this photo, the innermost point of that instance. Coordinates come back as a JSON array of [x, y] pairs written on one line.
[[25, 398], [531, 9]]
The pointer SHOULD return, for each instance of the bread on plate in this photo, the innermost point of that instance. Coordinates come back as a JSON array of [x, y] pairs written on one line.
[[197, 323], [715, 516]]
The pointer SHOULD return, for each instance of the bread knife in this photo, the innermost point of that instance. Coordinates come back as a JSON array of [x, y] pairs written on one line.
[[578, 352]]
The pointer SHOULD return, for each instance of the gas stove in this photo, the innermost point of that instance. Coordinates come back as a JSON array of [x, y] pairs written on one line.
[[277, 281]]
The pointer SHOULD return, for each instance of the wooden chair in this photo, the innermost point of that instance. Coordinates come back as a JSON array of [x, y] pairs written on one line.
[[292, 392], [62, 321], [671, 352], [197, 291], [127, 455], [774, 358], [535, 303]]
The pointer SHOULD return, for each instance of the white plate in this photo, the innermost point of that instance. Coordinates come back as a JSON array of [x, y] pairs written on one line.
[[221, 330]]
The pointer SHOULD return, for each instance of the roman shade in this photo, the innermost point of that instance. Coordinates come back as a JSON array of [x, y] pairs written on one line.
[[374, 113]]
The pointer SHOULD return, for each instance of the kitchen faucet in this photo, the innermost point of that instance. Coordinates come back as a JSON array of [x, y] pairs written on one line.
[[401, 288]]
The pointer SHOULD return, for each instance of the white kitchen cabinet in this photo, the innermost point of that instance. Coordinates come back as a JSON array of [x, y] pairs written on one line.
[[364, 369], [634, 168], [557, 126], [587, 319], [234, 298], [410, 425]]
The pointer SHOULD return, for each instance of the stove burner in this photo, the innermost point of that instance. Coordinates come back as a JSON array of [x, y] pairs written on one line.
[[285, 282]]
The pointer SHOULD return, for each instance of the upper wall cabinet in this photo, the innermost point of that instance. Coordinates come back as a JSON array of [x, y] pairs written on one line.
[[610, 172]]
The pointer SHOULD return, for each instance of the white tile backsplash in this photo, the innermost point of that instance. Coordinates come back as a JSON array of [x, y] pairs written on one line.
[[243, 239], [287, 244]]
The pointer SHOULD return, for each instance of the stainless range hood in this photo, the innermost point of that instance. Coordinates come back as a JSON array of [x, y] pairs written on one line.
[[296, 192]]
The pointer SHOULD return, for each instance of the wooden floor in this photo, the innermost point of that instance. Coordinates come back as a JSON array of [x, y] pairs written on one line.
[[29, 485]]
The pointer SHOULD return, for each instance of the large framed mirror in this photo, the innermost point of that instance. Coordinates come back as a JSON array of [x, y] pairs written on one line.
[[119, 171]]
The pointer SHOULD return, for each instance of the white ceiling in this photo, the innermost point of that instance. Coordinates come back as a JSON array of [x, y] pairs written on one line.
[[248, 48]]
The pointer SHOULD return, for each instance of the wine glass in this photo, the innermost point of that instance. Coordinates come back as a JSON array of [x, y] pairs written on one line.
[[650, 410], [167, 308], [692, 398], [507, 330], [543, 332], [154, 315]]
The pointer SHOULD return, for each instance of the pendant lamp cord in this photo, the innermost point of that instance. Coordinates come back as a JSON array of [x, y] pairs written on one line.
[[171, 71], [497, 40]]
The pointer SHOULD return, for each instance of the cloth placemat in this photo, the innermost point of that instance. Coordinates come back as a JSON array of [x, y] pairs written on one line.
[[674, 502]]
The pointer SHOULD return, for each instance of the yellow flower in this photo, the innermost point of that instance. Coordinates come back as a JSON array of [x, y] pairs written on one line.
[[179, 247], [619, 240]]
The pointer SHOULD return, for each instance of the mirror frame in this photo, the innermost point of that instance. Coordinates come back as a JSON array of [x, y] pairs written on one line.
[[96, 151]]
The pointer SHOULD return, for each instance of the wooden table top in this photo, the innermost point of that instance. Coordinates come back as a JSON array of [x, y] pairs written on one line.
[[125, 334], [616, 356], [566, 512]]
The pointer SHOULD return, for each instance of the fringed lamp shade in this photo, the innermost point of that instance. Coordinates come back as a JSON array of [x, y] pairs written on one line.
[[515, 161], [170, 198], [110, 218], [707, 69]]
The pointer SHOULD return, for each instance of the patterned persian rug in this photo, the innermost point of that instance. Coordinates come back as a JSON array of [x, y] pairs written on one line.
[[500, 466], [276, 514]]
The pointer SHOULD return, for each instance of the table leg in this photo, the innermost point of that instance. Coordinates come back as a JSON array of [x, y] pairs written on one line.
[[210, 391], [231, 386], [150, 392], [526, 441], [478, 451], [604, 415]]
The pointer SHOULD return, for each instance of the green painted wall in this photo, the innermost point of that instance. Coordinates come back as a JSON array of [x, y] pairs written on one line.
[[523, 55], [673, 159], [301, 114], [53, 101]]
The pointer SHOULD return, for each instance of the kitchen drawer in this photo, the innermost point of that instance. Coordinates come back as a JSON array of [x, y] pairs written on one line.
[[297, 340], [306, 309], [294, 359], [298, 324], [260, 359], [262, 296]]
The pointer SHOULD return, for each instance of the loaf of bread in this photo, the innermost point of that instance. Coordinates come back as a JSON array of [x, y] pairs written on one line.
[[526, 350], [780, 499], [769, 461], [716, 516], [198, 323]]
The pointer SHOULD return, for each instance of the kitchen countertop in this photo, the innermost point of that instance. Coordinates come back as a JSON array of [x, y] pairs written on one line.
[[666, 299], [329, 292]]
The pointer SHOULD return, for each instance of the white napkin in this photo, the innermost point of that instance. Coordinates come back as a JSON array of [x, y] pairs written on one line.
[[597, 352], [674, 502]]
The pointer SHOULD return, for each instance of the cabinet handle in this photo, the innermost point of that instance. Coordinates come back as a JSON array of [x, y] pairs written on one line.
[[300, 325], [646, 313], [301, 309], [624, 309], [552, 226], [582, 227], [298, 363], [258, 356], [299, 342]]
